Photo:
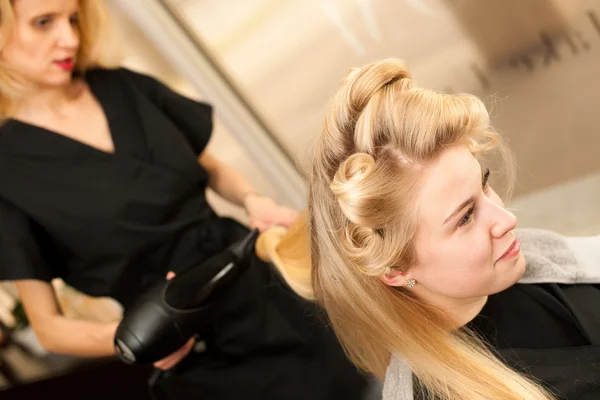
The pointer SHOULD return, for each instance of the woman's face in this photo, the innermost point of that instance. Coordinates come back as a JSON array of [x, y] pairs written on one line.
[[466, 245], [45, 41]]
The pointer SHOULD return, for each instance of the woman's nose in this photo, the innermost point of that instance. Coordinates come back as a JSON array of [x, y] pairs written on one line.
[[69, 35], [504, 221]]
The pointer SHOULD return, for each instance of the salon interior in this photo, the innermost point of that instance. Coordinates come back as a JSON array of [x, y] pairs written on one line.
[[269, 68]]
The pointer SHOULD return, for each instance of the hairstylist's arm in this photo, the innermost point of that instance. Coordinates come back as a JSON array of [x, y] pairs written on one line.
[[59, 334], [232, 186], [62, 335]]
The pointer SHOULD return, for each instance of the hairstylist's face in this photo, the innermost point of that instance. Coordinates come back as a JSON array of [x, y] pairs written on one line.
[[466, 245], [45, 41]]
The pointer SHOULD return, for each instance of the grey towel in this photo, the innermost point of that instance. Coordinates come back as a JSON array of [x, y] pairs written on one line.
[[551, 258], [398, 383], [559, 259]]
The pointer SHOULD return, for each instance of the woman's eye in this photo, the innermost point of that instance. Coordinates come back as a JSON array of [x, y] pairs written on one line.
[[467, 218], [42, 22], [75, 19]]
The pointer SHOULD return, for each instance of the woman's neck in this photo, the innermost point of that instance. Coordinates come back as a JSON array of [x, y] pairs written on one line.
[[468, 310], [50, 100]]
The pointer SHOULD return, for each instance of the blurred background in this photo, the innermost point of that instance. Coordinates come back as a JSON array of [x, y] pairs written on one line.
[[534, 62], [270, 66]]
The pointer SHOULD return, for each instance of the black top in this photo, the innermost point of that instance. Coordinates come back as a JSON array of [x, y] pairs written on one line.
[[529, 316], [108, 224], [550, 332]]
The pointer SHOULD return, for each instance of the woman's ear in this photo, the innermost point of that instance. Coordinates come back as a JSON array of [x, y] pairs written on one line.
[[396, 278]]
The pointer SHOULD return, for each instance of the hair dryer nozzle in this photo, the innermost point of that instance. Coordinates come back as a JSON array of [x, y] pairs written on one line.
[[245, 245]]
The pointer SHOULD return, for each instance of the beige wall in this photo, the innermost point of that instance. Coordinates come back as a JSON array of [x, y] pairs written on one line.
[[288, 56], [499, 29]]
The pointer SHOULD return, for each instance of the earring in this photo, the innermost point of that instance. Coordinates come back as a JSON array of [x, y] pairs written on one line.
[[387, 271], [411, 284]]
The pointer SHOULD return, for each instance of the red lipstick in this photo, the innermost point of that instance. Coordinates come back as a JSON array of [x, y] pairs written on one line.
[[66, 64]]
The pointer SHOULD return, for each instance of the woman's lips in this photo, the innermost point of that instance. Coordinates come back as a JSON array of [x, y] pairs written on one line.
[[512, 251], [66, 64]]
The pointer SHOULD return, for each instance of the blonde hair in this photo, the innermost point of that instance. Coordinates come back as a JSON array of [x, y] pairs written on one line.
[[97, 49], [288, 250], [379, 131]]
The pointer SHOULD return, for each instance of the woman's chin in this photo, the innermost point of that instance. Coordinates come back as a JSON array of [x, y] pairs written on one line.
[[521, 266], [517, 270], [511, 275]]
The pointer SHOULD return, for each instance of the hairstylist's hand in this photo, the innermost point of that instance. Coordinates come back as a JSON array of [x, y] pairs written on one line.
[[173, 359], [264, 213]]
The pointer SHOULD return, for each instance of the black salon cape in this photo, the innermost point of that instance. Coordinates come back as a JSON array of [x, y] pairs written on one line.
[[115, 224], [548, 331]]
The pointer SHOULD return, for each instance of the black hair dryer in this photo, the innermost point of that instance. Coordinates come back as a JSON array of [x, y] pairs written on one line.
[[167, 316]]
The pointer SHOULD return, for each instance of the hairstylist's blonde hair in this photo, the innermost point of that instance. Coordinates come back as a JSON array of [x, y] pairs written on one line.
[[96, 48], [378, 132]]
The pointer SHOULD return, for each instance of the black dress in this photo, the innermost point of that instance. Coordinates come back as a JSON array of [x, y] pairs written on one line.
[[548, 331], [114, 224], [108, 224]]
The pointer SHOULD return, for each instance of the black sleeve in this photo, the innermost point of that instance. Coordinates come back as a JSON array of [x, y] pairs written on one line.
[[193, 118], [23, 252]]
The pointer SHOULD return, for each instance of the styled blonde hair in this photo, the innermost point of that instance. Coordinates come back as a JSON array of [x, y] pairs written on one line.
[[380, 129], [288, 250], [97, 49]]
